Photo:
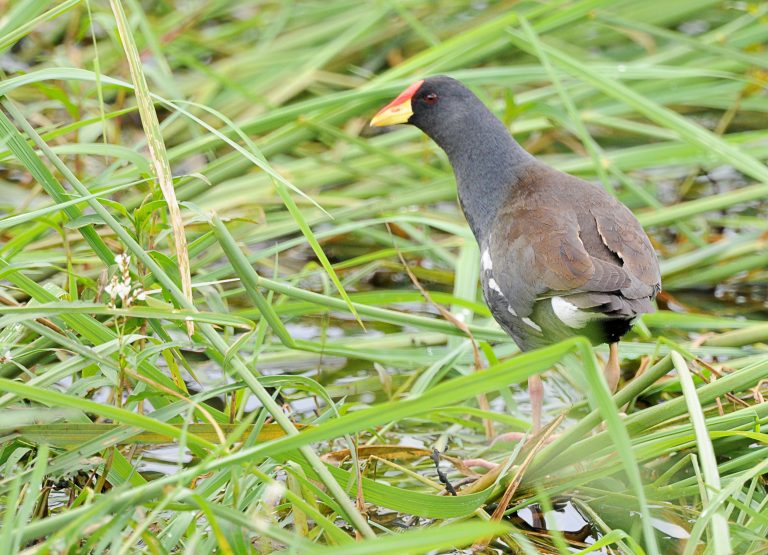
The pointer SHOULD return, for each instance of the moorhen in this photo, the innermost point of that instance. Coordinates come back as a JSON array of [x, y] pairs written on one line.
[[559, 256]]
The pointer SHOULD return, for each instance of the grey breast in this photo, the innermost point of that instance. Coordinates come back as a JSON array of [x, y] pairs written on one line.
[[525, 332]]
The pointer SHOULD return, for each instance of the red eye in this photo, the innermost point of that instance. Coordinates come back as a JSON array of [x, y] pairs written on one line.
[[430, 98]]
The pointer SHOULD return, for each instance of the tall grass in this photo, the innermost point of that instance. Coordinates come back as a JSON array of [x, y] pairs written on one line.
[[208, 340]]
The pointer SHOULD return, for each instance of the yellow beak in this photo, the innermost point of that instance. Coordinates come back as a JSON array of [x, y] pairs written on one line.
[[390, 115], [399, 110]]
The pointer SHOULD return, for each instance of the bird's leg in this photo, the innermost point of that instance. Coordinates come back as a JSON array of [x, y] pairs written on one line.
[[536, 392], [612, 369]]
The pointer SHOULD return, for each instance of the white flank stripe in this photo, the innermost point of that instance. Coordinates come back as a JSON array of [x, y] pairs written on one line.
[[495, 286], [485, 261], [569, 314], [531, 323]]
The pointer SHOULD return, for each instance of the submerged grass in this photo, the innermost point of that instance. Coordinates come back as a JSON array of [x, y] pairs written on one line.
[[289, 396]]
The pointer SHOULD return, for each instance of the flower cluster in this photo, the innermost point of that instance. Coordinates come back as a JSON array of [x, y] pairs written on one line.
[[121, 286]]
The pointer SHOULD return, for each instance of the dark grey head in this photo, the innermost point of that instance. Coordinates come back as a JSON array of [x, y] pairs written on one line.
[[485, 158], [443, 106], [440, 106]]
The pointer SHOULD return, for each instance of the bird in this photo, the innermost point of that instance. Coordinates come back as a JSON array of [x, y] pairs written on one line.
[[559, 256]]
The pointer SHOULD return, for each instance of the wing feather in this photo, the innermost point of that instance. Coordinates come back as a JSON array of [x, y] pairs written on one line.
[[594, 253]]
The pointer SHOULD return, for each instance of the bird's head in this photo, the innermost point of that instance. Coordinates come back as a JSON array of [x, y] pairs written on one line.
[[429, 104]]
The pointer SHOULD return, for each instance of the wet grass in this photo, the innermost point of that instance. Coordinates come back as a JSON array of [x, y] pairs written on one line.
[[258, 372]]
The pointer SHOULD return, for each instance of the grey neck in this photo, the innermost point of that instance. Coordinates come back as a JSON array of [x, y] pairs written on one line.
[[487, 162]]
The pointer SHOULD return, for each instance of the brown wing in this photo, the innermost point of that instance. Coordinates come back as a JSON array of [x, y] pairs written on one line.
[[622, 234], [572, 239]]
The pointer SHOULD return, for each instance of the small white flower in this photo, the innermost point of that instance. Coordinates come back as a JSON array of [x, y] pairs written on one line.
[[123, 260], [123, 290], [110, 289], [141, 295], [273, 493]]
